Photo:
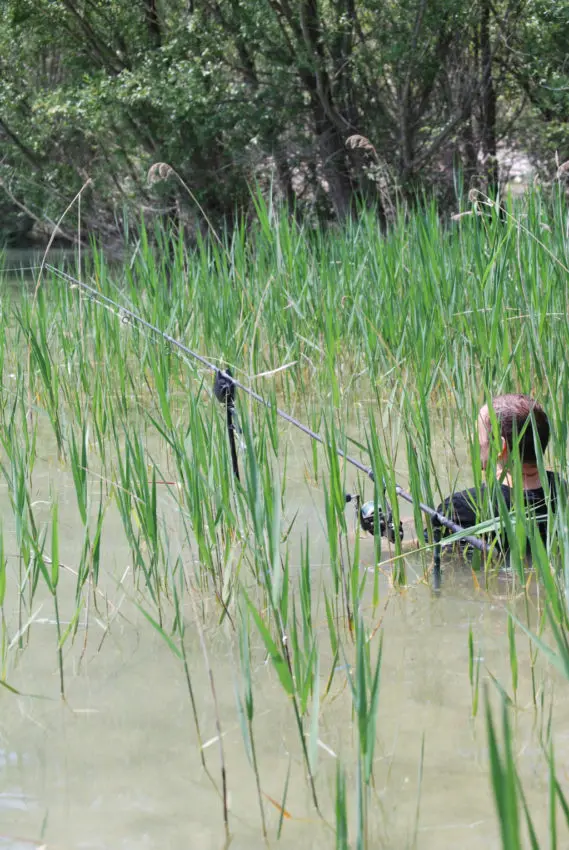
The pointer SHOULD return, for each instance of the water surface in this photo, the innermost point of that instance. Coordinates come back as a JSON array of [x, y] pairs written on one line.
[[117, 765]]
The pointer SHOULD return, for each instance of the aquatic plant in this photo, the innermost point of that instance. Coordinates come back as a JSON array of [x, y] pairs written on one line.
[[386, 344]]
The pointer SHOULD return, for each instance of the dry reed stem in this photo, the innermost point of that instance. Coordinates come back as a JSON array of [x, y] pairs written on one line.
[[476, 195], [162, 171], [33, 216], [77, 197], [216, 715], [272, 372], [466, 214], [38, 282]]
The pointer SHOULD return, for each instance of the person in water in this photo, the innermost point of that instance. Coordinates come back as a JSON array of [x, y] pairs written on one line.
[[522, 425]]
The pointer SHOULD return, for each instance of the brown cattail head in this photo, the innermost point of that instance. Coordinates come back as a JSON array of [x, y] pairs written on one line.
[[159, 171], [360, 143]]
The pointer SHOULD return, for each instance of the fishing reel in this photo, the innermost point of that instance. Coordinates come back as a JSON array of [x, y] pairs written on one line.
[[366, 516]]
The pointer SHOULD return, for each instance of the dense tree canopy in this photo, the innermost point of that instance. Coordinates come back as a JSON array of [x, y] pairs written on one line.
[[234, 92]]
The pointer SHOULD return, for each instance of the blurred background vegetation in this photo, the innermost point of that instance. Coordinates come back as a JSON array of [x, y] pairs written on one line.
[[234, 93]]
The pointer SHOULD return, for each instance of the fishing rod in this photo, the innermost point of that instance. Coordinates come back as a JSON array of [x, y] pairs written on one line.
[[224, 390]]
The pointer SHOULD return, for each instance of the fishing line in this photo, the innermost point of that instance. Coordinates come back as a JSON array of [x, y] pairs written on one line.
[[20, 269], [226, 378]]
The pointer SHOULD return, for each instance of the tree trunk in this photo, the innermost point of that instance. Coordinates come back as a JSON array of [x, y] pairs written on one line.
[[153, 23], [331, 141], [469, 157], [488, 102], [332, 151]]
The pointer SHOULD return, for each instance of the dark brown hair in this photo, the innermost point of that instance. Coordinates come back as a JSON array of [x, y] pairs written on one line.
[[517, 415]]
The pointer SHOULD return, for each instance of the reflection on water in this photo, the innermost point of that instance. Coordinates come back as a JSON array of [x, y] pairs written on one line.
[[19, 266], [15, 261], [14, 800], [117, 765]]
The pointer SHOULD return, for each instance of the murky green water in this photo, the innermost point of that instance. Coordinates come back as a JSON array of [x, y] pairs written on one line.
[[117, 765], [26, 262]]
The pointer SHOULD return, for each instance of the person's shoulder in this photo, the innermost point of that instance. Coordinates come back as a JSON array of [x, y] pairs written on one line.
[[467, 497], [461, 506]]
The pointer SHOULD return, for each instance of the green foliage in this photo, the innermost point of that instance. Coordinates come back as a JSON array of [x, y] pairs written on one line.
[[239, 93], [383, 342]]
